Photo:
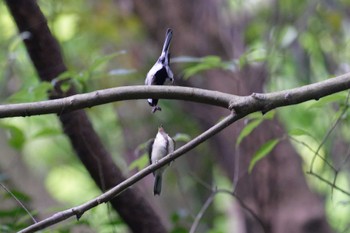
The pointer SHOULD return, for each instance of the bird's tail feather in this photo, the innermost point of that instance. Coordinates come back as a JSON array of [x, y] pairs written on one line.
[[157, 184], [168, 36]]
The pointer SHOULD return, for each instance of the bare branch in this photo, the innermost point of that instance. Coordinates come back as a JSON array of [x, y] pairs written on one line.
[[333, 186], [100, 97], [202, 211], [19, 202], [110, 194], [240, 104], [209, 201]]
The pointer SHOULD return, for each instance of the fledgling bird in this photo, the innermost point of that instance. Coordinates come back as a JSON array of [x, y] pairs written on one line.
[[161, 146], [160, 71]]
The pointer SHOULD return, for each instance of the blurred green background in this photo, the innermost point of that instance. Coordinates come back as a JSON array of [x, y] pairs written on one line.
[[105, 44]]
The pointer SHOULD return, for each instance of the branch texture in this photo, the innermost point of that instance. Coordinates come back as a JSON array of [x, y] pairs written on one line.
[[248, 104]]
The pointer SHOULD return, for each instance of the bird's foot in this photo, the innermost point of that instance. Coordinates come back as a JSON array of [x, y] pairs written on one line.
[[156, 108]]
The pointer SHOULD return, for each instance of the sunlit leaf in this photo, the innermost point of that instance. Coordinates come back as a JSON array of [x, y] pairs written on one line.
[[262, 152], [256, 55], [269, 115], [251, 56], [65, 26], [255, 115], [140, 163], [182, 137], [298, 132], [63, 76], [247, 130], [289, 35]]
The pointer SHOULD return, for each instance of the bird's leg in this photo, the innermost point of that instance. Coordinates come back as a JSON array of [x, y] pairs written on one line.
[[156, 108]]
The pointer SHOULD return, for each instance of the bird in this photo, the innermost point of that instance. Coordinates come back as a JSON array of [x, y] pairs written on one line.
[[160, 71], [161, 146]]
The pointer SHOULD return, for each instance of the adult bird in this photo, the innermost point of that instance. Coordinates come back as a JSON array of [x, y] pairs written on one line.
[[160, 71], [161, 146]]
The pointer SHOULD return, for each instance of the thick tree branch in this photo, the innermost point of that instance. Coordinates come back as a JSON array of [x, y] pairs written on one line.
[[248, 104]]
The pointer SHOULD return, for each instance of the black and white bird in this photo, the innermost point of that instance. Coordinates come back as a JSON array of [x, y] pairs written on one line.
[[161, 146], [160, 71]]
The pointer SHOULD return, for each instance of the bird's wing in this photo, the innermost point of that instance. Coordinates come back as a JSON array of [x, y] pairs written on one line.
[[149, 149]]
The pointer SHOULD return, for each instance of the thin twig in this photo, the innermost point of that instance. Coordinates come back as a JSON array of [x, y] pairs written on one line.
[[329, 183], [202, 211], [19, 202], [313, 151], [211, 199], [215, 191], [246, 207], [330, 131]]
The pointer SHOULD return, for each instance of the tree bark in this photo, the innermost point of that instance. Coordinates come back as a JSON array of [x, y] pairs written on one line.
[[45, 54], [276, 190]]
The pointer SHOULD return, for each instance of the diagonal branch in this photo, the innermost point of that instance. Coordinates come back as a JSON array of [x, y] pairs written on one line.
[[248, 104], [112, 193], [241, 106]]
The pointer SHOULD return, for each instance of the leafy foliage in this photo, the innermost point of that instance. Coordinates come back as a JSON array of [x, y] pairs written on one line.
[[307, 44], [262, 152]]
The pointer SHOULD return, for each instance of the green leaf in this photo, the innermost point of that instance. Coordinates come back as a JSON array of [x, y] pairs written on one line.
[[40, 91], [16, 137], [247, 130], [254, 115], [64, 76], [18, 194], [182, 137], [298, 132], [269, 115], [140, 163], [179, 229], [35, 92], [252, 56], [46, 132], [203, 64], [104, 59], [338, 97], [262, 152]]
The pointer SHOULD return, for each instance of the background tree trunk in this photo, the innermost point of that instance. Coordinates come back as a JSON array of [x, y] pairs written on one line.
[[45, 54], [276, 190]]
